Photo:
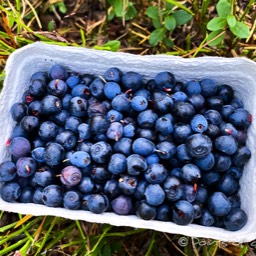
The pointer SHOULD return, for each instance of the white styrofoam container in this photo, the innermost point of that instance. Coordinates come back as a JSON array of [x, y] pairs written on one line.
[[240, 73]]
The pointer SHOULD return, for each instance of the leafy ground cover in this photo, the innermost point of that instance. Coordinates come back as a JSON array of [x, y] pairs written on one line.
[[182, 28]]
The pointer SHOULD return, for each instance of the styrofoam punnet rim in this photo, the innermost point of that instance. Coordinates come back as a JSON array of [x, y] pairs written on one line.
[[237, 72]]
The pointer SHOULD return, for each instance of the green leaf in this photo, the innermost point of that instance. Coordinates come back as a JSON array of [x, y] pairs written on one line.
[[170, 23], [168, 42], [213, 35], [113, 46], [153, 12], [168, 6], [118, 7], [182, 17], [131, 12], [176, 3], [157, 36], [216, 24], [223, 8], [231, 20], [62, 7], [240, 30], [157, 23], [111, 15]]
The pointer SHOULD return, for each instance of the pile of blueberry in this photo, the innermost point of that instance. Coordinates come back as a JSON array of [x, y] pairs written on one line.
[[160, 149]]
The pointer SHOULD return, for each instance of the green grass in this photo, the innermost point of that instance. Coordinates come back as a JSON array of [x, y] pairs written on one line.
[[21, 23]]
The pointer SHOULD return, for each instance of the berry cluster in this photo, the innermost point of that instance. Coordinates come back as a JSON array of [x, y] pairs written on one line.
[[160, 149]]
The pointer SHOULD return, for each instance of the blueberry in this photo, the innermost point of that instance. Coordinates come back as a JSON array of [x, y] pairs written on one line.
[[17, 131], [213, 131], [27, 97], [26, 195], [215, 102], [146, 211], [165, 81], [210, 178], [183, 111], [147, 134], [197, 210], [111, 189], [123, 146], [235, 201], [19, 147], [226, 111], [122, 205], [143, 147], [190, 192], [45, 176], [38, 154], [114, 116], [197, 101], [58, 72], [181, 132], [207, 219], [71, 176], [97, 88], [48, 131], [182, 154], [144, 93], [80, 159], [101, 152], [54, 154], [163, 213], [86, 79], [154, 194], [72, 200], [117, 164], [115, 131], [81, 90], [199, 145], [65, 101], [57, 88], [213, 116], [86, 185], [52, 196], [51, 105], [100, 174], [201, 194], [241, 156], [98, 124], [199, 123], [128, 184], [7, 171], [190, 173], [78, 107], [10, 191], [235, 220], [132, 80], [152, 159], [235, 171], [113, 75], [222, 162], [66, 139], [226, 144], [111, 90], [226, 92], [208, 87], [236, 103], [139, 103], [183, 212], [219, 204], [146, 119], [139, 192], [97, 203], [35, 108], [192, 87], [18, 111], [173, 188], [162, 102], [129, 130], [156, 174], [228, 129], [166, 150], [206, 163], [26, 166], [121, 103], [240, 118], [164, 125], [179, 96], [38, 196], [228, 185], [39, 76], [73, 80]]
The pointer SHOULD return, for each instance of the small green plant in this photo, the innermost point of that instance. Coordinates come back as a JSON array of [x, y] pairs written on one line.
[[225, 20], [165, 21], [122, 9]]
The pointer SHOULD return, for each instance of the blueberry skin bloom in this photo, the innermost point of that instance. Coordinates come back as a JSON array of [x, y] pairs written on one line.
[[111, 89], [71, 176], [156, 174], [154, 194], [19, 147], [199, 145], [146, 211], [51, 105], [97, 203], [72, 200], [48, 130], [52, 196], [115, 131], [139, 103], [121, 103], [113, 75], [132, 80], [78, 107], [165, 80], [101, 152], [54, 154], [7, 171], [117, 164], [199, 123], [18, 111], [122, 205], [58, 72], [190, 173], [219, 204], [10, 191], [235, 219], [146, 119], [226, 144], [183, 213], [26, 166], [80, 159], [143, 147]]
